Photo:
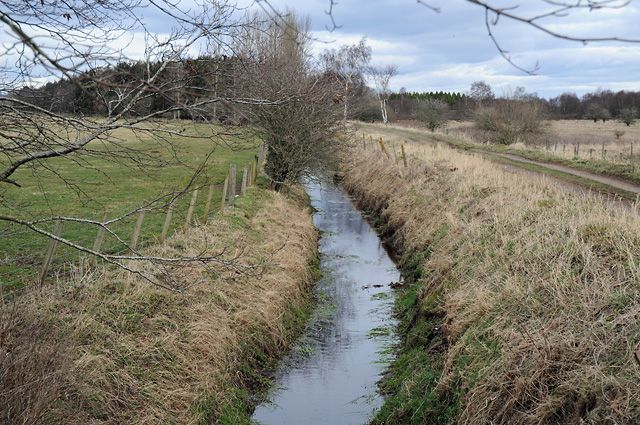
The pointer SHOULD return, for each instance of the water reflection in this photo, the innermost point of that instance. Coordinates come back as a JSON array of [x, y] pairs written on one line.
[[336, 383]]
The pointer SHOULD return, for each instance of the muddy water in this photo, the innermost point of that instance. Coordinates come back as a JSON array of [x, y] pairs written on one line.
[[331, 374]]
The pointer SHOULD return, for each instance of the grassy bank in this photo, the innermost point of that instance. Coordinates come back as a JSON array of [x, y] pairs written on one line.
[[105, 347], [524, 298]]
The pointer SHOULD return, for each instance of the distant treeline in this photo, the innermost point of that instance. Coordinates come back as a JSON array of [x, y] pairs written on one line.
[[450, 98], [570, 106], [404, 104], [566, 106], [101, 91]]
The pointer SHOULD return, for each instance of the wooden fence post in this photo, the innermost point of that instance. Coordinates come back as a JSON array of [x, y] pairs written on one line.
[[51, 249], [262, 153], [249, 174], [97, 244], [245, 176], [255, 170], [136, 231], [404, 156], [233, 173], [207, 207], [364, 142], [603, 152], [381, 142], [167, 222], [224, 194], [192, 206]]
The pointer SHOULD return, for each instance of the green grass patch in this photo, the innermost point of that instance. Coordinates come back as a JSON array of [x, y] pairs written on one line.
[[88, 186]]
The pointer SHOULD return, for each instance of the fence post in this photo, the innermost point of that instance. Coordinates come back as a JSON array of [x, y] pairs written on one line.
[[631, 150], [590, 153], [603, 152], [224, 194], [136, 231], [261, 155], [167, 222], [207, 206], [192, 206], [364, 141], [578, 150], [381, 142], [48, 257], [404, 156], [97, 244], [245, 176], [250, 174], [233, 173]]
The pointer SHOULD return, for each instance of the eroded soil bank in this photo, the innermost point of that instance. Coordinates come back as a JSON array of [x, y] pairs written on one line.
[[524, 301]]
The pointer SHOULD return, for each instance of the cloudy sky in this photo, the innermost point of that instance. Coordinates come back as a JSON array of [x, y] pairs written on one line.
[[449, 50]]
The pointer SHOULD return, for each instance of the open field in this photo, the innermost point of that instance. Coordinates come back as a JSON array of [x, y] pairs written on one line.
[[95, 185], [522, 295]]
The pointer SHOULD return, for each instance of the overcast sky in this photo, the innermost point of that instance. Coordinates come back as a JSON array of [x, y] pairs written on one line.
[[449, 50]]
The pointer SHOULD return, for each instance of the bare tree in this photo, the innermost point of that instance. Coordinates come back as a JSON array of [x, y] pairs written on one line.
[[348, 64], [480, 92], [382, 77], [300, 133]]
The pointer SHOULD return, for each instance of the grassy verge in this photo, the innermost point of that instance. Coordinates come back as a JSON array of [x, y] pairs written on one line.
[[521, 294], [106, 347], [89, 186]]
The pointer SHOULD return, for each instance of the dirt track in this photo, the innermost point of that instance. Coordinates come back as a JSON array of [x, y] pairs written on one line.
[[584, 179]]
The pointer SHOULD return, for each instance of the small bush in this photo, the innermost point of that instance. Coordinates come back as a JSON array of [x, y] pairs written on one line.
[[509, 121], [597, 112], [628, 115], [433, 113]]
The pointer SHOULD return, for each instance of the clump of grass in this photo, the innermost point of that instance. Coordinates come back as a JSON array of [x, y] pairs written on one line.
[[118, 350], [523, 308]]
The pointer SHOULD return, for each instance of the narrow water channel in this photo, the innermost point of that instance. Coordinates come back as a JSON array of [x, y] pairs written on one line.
[[330, 376]]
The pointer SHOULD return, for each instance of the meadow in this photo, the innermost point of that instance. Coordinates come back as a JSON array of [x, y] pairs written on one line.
[[91, 186]]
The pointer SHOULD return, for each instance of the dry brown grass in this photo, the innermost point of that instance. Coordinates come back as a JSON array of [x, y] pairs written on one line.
[[540, 289], [112, 349]]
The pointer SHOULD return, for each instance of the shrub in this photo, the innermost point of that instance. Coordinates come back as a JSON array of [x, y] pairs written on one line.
[[508, 121], [433, 113], [597, 112], [628, 115]]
